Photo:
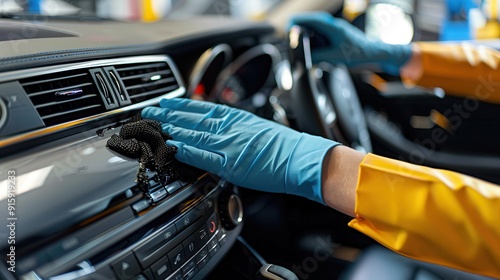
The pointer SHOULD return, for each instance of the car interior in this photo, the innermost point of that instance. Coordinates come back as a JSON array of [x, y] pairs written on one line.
[[75, 209]]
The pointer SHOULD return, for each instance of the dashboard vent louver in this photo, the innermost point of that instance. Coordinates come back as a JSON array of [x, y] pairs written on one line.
[[64, 96], [147, 80]]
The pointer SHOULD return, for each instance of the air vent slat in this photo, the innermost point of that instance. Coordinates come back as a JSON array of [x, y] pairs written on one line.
[[64, 96], [141, 66], [65, 101], [152, 84], [53, 79], [70, 111], [166, 72], [147, 80], [161, 90], [58, 89]]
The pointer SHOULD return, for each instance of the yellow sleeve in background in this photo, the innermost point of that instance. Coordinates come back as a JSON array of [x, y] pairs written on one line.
[[432, 215], [461, 69]]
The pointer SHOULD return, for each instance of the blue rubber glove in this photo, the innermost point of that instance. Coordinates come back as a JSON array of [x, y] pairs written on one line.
[[348, 45], [242, 148]]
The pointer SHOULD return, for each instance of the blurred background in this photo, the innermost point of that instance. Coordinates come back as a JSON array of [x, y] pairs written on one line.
[[440, 20]]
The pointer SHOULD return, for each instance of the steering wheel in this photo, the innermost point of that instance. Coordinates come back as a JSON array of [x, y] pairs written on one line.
[[324, 99]]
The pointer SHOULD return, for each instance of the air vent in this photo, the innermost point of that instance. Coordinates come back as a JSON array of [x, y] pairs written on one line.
[[147, 80], [64, 96]]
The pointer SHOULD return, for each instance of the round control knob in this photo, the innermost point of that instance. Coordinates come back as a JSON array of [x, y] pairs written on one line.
[[230, 210]]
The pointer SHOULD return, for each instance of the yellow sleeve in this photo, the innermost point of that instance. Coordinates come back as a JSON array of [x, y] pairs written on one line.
[[432, 215], [461, 69]]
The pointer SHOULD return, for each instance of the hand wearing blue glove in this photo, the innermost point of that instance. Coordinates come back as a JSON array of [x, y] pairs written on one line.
[[348, 45], [242, 148]]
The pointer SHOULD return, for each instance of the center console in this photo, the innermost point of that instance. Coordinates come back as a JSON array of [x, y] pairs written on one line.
[[91, 221]]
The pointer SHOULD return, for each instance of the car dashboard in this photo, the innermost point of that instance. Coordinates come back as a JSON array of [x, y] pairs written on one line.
[[75, 209]]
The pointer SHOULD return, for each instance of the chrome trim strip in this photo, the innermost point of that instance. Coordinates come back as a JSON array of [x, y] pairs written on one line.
[[26, 73], [21, 74]]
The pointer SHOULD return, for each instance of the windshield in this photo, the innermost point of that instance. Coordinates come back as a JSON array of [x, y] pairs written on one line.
[[138, 10]]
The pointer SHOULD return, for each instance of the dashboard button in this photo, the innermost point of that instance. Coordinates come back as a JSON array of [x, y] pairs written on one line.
[[176, 276], [140, 205], [212, 243], [161, 269], [158, 195], [203, 262], [190, 274], [190, 246], [222, 237], [169, 232], [212, 225], [209, 205], [126, 267], [176, 257], [184, 182], [202, 235], [221, 233], [188, 267], [173, 187], [188, 219], [153, 183], [156, 247], [214, 250], [202, 254], [223, 240]]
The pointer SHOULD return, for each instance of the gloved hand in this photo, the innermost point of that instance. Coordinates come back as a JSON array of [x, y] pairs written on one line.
[[348, 45], [242, 148]]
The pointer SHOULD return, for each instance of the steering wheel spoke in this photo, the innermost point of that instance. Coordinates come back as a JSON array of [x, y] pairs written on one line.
[[324, 99]]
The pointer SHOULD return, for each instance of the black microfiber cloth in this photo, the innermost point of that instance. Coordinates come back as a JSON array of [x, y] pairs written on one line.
[[144, 140]]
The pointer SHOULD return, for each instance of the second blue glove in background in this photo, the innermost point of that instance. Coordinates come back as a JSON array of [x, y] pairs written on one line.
[[349, 45]]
